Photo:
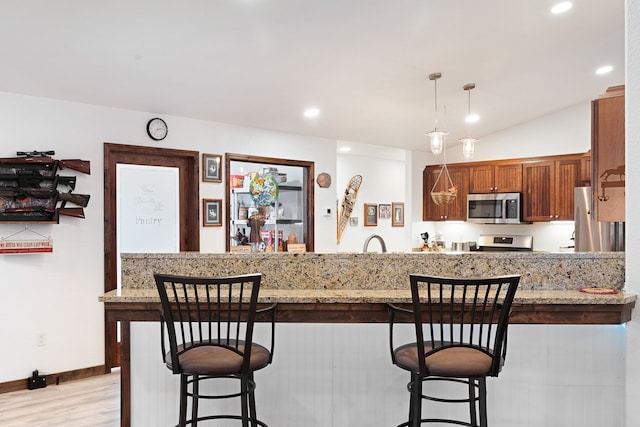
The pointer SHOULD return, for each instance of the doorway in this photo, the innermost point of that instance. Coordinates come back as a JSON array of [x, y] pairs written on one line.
[[189, 235]]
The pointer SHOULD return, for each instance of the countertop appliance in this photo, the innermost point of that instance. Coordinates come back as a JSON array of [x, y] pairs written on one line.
[[494, 208], [591, 235], [505, 242]]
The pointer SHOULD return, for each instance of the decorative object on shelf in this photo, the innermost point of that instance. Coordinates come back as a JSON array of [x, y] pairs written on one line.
[[436, 136], [29, 188], [157, 129], [468, 142], [324, 180], [348, 203], [26, 246], [397, 218], [255, 223], [292, 239], [211, 212], [211, 167], [370, 215], [384, 211], [263, 189]]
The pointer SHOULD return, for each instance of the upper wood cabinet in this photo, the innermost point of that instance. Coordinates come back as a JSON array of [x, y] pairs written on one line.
[[455, 211], [548, 189], [495, 178], [607, 148]]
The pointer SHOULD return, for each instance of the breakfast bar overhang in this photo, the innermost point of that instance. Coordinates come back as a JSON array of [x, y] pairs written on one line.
[[355, 288]]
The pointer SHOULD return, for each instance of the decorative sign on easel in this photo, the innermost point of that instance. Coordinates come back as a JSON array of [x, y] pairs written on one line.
[[11, 246]]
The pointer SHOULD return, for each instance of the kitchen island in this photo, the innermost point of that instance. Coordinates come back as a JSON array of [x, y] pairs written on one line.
[[353, 288]]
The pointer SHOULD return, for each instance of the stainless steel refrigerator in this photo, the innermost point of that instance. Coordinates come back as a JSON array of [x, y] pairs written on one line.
[[591, 235]]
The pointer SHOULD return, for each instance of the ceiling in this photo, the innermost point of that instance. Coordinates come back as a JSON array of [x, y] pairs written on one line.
[[363, 63]]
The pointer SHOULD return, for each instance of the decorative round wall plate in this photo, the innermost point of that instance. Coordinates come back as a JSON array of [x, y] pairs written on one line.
[[263, 189]]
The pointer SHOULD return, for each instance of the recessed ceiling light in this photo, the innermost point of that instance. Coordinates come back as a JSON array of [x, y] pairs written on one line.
[[604, 70], [472, 118], [561, 7], [345, 149], [311, 112]]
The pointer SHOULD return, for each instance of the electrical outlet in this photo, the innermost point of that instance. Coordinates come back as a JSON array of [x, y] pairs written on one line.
[[41, 339]]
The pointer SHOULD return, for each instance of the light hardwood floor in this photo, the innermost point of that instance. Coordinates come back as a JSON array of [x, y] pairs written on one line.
[[90, 402]]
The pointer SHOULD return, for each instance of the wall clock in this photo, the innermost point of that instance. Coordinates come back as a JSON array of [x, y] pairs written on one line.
[[157, 129]]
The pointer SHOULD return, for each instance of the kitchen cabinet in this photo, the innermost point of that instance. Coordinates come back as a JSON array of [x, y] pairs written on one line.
[[455, 211], [495, 178], [548, 188], [608, 157]]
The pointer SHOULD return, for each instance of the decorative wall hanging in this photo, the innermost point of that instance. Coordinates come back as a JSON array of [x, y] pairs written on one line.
[[348, 203], [10, 245], [211, 212], [324, 180], [370, 215], [211, 167], [397, 209], [29, 188]]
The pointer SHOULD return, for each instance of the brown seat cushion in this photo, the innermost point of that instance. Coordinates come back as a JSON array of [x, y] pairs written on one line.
[[450, 362], [217, 360]]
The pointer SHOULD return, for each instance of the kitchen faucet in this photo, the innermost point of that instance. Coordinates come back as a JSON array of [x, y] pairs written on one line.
[[374, 236]]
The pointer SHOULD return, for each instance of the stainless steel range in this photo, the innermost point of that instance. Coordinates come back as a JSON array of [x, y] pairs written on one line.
[[505, 242]]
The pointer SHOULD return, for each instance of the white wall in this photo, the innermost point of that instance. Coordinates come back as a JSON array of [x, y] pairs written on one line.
[[384, 181], [57, 294]]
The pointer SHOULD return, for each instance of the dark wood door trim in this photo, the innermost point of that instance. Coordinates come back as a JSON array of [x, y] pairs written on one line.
[[188, 164], [308, 176]]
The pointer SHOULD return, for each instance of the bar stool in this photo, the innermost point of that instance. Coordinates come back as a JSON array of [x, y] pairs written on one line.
[[210, 326], [461, 337]]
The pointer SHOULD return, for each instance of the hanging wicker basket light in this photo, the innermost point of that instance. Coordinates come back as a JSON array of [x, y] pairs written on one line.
[[442, 198]]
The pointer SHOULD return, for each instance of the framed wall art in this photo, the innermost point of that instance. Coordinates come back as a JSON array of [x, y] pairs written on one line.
[[370, 214], [211, 212], [384, 211], [397, 210], [211, 167]]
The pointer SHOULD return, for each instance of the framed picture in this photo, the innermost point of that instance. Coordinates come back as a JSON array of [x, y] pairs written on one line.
[[211, 212], [384, 211], [397, 209], [370, 214], [211, 167], [353, 221]]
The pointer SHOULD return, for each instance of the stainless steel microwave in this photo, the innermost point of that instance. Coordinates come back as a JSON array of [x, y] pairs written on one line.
[[494, 208]]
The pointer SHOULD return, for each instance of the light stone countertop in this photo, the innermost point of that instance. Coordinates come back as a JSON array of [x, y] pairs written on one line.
[[546, 277], [354, 296]]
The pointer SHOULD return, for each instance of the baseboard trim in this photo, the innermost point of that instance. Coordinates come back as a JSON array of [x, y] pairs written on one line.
[[53, 379]]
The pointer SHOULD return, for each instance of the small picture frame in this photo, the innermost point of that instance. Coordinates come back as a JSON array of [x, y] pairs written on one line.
[[370, 214], [384, 211], [211, 167], [353, 221], [211, 212], [397, 218]]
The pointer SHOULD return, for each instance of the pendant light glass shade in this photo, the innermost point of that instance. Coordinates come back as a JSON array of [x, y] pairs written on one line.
[[468, 142], [437, 141], [436, 136], [468, 146]]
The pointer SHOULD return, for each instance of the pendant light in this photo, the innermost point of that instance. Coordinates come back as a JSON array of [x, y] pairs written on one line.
[[436, 136], [468, 142]]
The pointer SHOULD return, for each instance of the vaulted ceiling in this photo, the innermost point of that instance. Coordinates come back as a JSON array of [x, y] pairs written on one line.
[[362, 63]]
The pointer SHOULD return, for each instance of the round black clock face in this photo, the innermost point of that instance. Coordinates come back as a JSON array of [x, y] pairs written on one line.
[[157, 129]]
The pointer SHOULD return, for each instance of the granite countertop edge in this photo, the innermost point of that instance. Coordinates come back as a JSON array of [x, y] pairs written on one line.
[[355, 296]]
